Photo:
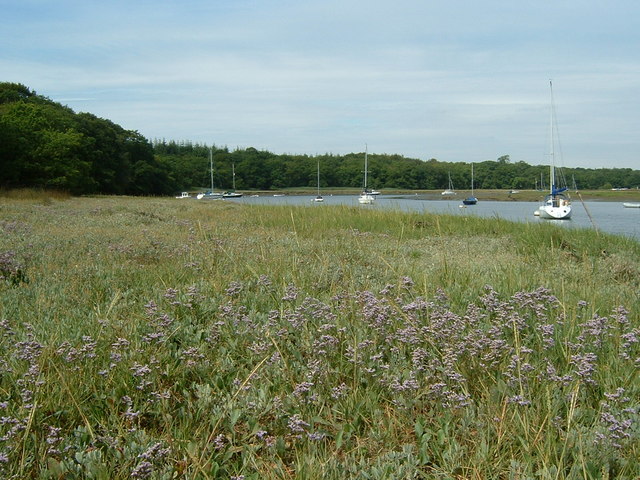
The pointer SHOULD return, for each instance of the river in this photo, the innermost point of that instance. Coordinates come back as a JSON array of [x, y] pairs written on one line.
[[610, 217]]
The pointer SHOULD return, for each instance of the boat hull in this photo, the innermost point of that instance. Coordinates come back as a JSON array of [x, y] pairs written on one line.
[[631, 205], [209, 196], [555, 213], [366, 199]]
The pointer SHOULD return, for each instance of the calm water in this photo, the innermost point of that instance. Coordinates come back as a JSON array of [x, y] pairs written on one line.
[[609, 217]]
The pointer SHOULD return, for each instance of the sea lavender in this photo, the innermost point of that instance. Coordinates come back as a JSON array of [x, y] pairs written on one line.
[[296, 424], [11, 271], [291, 293], [585, 365], [53, 440], [234, 289]]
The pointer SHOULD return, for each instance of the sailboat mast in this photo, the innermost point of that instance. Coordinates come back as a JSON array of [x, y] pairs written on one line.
[[233, 175], [365, 167], [552, 178], [318, 177], [472, 179], [211, 166]]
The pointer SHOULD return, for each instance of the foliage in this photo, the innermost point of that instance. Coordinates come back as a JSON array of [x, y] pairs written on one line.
[[168, 339], [262, 170], [44, 144]]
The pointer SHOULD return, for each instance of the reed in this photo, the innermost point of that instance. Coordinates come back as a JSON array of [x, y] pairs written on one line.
[[162, 338]]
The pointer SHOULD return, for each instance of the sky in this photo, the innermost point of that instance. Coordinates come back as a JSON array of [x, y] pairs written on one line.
[[454, 80]]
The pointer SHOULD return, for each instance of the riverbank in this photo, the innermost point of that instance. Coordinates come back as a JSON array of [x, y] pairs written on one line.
[[162, 338]]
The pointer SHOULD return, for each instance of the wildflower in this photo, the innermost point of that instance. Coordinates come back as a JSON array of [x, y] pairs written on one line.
[[192, 356], [219, 442], [407, 385], [155, 453], [11, 270], [296, 424], [160, 395], [388, 288], [264, 281], [291, 293], [302, 390], [53, 440], [89, 347], [595, 329], [620, 314], [234, 289], [171, 293], [143, 470], [585, 366], [140, 370], [519, 399], [340, 391], [547, 332], [151, 308]]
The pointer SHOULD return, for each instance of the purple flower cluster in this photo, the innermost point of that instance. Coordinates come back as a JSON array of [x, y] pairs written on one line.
[[268, 377], [11, 270]]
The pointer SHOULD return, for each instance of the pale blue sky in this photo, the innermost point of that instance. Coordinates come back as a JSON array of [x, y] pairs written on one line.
[[455, 80]]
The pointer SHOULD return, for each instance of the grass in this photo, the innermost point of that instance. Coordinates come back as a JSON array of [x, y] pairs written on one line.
[[156, 338]]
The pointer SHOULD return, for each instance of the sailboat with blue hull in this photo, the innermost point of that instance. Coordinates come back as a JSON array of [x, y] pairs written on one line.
[[471, 200]]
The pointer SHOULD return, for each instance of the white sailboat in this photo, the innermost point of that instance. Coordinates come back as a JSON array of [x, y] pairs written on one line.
[[366, 198], [210, 195], [318, 197], [449, 190], [556, 206]]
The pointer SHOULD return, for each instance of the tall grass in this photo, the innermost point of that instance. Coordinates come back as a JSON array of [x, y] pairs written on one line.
[[153, 338], [34, 194]]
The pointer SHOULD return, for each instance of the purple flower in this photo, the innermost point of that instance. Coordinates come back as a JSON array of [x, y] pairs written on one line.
[[339, 391], [234, 289], [296, 424], [291, 293], [585, 366], [264, 281], [519, 399], [143, 470]]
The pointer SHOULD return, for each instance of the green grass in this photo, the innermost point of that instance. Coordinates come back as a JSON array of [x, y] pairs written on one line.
[[156, 338]]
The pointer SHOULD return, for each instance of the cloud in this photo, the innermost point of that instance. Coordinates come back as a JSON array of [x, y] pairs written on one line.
[[459, 81]]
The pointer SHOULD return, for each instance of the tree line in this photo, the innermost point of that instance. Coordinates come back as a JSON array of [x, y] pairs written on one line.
[[47, 145], [262, 170]]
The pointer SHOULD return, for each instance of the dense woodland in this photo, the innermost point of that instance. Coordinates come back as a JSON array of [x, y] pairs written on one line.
[[44, 144]]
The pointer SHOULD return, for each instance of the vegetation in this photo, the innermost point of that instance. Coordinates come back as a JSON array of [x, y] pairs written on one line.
[[155, 338], [46, 145], [260, 170]]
